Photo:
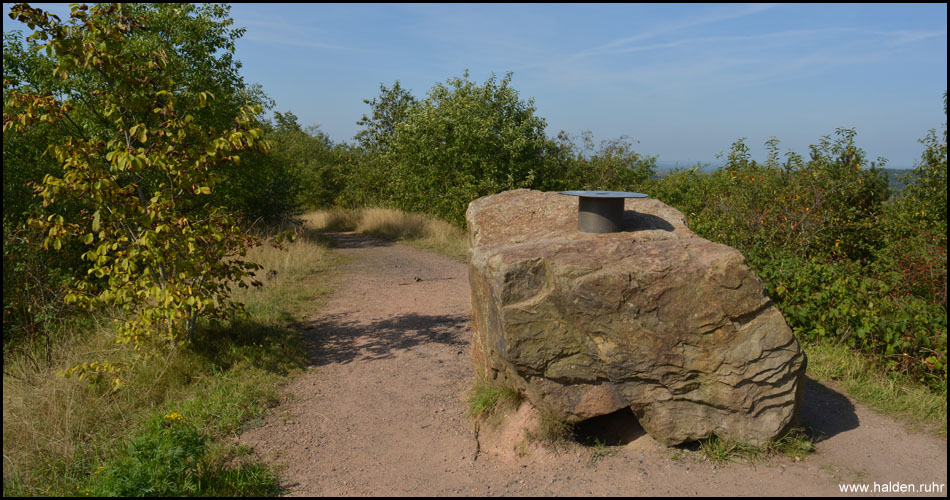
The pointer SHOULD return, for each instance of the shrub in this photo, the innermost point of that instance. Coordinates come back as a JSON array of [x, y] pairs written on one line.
[[842, 264], [172, 457]]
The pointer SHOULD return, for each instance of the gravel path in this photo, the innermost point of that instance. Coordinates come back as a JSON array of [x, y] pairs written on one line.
[[381, 411]]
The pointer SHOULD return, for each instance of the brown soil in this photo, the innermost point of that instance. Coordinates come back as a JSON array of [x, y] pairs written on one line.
[[382, 411]]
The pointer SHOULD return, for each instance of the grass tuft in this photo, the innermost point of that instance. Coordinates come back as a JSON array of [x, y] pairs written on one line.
[[551, 429], [796, 444], [486, 398]]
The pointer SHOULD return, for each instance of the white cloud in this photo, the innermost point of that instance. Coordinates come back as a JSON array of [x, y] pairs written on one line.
[[678, 25]]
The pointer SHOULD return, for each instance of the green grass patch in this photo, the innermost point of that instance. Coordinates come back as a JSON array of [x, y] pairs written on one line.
[[893, 394], [58, 432], [796, 444], [486, 398], [176, 456]]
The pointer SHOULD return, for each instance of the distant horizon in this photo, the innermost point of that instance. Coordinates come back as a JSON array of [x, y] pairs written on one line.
[[681, 81], [712, 165]]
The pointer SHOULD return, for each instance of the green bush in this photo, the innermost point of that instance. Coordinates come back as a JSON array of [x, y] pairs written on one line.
[[843, 264], [462, 142], [573, 163], [172, 457]]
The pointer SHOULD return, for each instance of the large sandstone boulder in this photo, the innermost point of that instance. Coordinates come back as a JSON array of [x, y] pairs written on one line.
[[653, 318]]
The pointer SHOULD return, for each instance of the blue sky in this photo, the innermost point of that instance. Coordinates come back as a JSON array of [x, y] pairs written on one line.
[[683, 80]]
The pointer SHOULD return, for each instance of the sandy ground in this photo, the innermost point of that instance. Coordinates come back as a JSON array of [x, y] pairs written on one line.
[[382, 411]]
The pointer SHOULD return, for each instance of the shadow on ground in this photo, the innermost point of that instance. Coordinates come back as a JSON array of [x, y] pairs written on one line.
[[355, 240], [335, 339], [826, 412]]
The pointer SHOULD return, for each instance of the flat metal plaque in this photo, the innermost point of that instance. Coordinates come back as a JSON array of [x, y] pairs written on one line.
[[600, 211], [604, 194]]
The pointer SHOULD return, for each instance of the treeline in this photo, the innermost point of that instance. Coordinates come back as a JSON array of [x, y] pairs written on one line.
[[844, 261], [435, 155]]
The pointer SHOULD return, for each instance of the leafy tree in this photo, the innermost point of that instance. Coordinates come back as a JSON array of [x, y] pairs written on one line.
[[142, 169], [311, 161], [391, 108], [464, 141], [467, 140], [23, 160], [929, 189], [614, 165], [198, 42], [368, 173]]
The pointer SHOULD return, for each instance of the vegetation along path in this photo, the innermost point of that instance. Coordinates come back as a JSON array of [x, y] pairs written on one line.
[[382, 411]]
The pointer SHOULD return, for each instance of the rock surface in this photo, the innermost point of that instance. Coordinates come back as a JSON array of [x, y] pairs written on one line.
[[654, 317]]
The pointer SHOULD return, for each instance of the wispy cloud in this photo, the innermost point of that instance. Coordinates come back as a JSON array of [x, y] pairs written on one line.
[[629, 44], [901, 37], [285, 40], [675, 26], [671, 57], [286, 33], [775, 38]]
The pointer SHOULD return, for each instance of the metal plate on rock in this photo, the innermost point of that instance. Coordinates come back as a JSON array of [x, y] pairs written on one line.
[[604, 194]]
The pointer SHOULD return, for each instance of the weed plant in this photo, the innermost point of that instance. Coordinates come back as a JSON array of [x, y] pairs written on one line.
[[599, 450], [173, 456]]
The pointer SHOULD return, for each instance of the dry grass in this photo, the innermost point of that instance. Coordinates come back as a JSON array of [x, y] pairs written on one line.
[[420, 231], [55, 429], [551, 429], [52, 424], [286, 274]]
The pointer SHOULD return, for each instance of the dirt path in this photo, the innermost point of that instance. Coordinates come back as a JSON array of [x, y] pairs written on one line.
[[381, 411]]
